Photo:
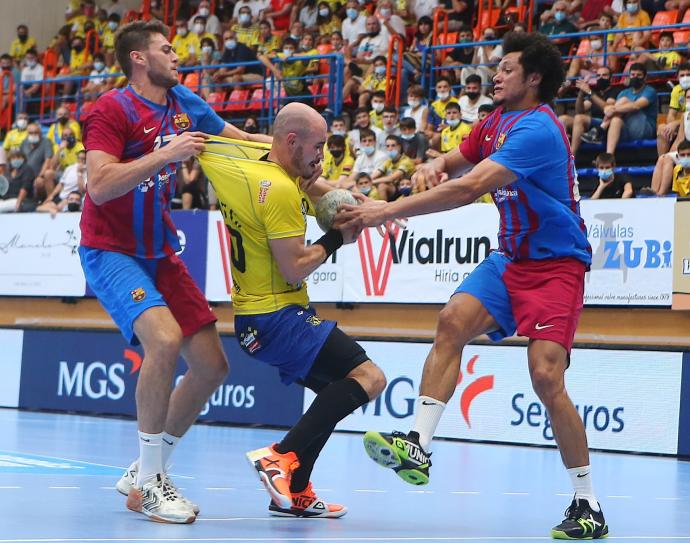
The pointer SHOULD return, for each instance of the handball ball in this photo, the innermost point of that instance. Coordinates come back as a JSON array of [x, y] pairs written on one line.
[[328, 204]]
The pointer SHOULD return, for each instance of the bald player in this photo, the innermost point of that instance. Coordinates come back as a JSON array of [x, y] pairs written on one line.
[[265, 210]]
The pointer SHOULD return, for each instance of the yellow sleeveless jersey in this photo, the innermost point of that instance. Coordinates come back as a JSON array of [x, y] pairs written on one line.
[[259, 202]]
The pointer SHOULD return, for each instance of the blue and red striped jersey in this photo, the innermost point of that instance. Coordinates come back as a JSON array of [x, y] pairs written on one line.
[[539, 211], [128, 126]]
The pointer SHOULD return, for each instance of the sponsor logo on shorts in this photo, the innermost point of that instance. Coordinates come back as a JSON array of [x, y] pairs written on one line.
[[540, 326], [182, 121], [314, 320], [263, 191], [138, 294], [249, 340]]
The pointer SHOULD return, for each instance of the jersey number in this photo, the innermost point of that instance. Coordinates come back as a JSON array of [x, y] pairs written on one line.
[[237, 250]]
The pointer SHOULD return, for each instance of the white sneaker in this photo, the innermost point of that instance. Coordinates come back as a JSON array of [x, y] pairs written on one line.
[[129, 479], [158, 501]]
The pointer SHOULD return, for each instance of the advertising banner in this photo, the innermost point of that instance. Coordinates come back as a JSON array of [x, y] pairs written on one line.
[[628, 400], [96, 372], [11, 342], [632, 247], [681, 256], [38, 255], [191, 231]]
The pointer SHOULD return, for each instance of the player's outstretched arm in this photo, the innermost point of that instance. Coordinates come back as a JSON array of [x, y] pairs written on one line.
[[485, 177], [231, 131], [109, 178]]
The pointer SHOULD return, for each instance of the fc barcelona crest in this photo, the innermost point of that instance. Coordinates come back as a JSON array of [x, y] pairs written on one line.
[[182, 121], [499, 141]]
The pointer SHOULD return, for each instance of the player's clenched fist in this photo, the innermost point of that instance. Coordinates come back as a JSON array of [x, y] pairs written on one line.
[[185, 145]]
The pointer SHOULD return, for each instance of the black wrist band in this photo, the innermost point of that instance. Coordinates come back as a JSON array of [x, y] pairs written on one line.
[[331, 241]]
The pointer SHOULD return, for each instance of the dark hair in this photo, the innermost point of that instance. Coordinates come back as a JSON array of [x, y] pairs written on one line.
[[452, 105], [362, 175], [683, 145], [135, 36], [114, 17], [379, 94], [200, 19], [396, 139], [416, 90], [99, 56], [538, 56], [208, 41], [666, 35], [19, 27], [361, 110], [606, 158], [485, 107], [639, 67], [408, 122], [75, 191], [335, 139], [290, 41], [379, 58], [443, 79], [338, 118], [389, 109], [684, 66], [366, 133], [473, 78], [32, 51], [425, 20], [322, 20], [5, 56]]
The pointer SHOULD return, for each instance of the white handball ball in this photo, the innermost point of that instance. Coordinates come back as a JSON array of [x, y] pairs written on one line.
[[327, 206]]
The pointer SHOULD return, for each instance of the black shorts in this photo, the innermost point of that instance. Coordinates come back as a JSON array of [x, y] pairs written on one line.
[[339, 355]]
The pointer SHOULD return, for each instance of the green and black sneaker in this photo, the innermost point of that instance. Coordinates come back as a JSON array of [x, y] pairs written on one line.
[[581, 522], [400, 452]]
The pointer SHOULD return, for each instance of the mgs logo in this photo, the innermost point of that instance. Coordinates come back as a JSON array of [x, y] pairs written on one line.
[[472, 390], [97, 379]]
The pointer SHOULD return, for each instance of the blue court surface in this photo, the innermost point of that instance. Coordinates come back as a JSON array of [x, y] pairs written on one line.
[[57, 476]]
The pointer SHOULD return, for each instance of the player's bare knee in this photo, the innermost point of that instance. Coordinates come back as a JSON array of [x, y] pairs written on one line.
[[449, 327], [547, 382], [370, 377], [164, 343]]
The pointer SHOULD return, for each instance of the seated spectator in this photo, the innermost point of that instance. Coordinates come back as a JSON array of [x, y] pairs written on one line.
[[416, 109], [484, 111], [255, 8], [665, 58], [420, 43], [369, 159], [31, 76], [592, 10], [378, 103], [186, 44], [389, 126], [554, 22], [681, 173], [337, 164], [354, 26], [362, 123], [199, 28], [108, 37], [437, 111], [633, 116], [337, 44], [414, 144], [375, 81], [484, 57], [425, 8], [292, 70], [8, 74], [193, 185], [251, 125], [21, 178], [366, 187], [22, 44], [588, 58], [18, 134], [663, 171], [454, 133], [667, 131], [99, 78], [236, 52], [63, 121], [267, 42], [461, 57], [66, 153], [339, 128], [611, 184], [306, 46], [397, 166], [307, 14], [277, 13], [592, 99], [211, 22], [472, 99], [375, 44], [38, 151], [391, 24], [73, 180], [80, 63], [296, 31], [404, 188], [247, 32], [632, 17], [459, 13], [327, 21]]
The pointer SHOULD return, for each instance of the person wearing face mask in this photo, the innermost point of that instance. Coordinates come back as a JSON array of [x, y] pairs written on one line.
[[211, 22], [664, 169], [80, 63], [471, 99], [22, 43], [374, 82], [337, 163], [108, 35], [593, 97], [557, 22], [289, 70], [414, 144], [73, 180], [404, 188], [326, 20], [416, 109], [278, 13], [633, 17], [187, 44], [253, 6], [391, 24], [64, 155], [18, 134], [31, 75], [611, 184], [235, 52], [461, 57], [456, 129], [389, 126], [667, 131], [354, 25], [369, 157], [20, 177], [268, 42], [307, 15], [633, 116], [199, 28], [681, 173], [437, 111], [397, 166], [375, 44], [484, 59], [588, 57], [62, 122], [246, 32], [38, 152], [378, 103], [99, 74], [366, 187]]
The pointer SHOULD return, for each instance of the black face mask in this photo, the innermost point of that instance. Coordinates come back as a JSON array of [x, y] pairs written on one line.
[[603, 83], [78, 48], [73, 206], [374, 33], [23, 37], [63, 120], [251, 129], [6, 68], [472, 95], [337, 153], [71, 141], [636, 82]]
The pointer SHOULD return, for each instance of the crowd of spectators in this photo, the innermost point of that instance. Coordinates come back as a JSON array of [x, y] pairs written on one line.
[[613, 91]]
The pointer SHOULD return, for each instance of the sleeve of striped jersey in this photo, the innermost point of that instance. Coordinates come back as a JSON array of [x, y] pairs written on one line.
[[282, 213], [470, 145], [106, 128], [527, 148]]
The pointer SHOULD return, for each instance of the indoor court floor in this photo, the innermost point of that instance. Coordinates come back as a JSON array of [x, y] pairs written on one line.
[[57, 477]]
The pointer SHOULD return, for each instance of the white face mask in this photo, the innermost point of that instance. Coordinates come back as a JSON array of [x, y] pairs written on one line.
[[199, 28], [182, 31], [442, 95], [33, 138], [98, 66], [684, 82], [324, 12], [596, 44], [21, 124], [413, 102], [288, 53], [452, 122], [245, 18], [378, 107], [204, 12], [207, 49]]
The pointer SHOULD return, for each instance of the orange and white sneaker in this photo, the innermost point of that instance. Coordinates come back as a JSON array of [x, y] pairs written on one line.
[[157, 500], [275, 472], [306, 504]]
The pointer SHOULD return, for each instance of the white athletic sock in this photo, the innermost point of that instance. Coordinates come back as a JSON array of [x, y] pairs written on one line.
[[429, 412], [582, 483], [169, 443], [150, 456]]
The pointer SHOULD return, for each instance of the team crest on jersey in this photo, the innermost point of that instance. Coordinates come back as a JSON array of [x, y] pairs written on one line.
[[263, 190], [138, 294], [499, 141], [314, 320], [146, 184], [249, 340], [182, 121]]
